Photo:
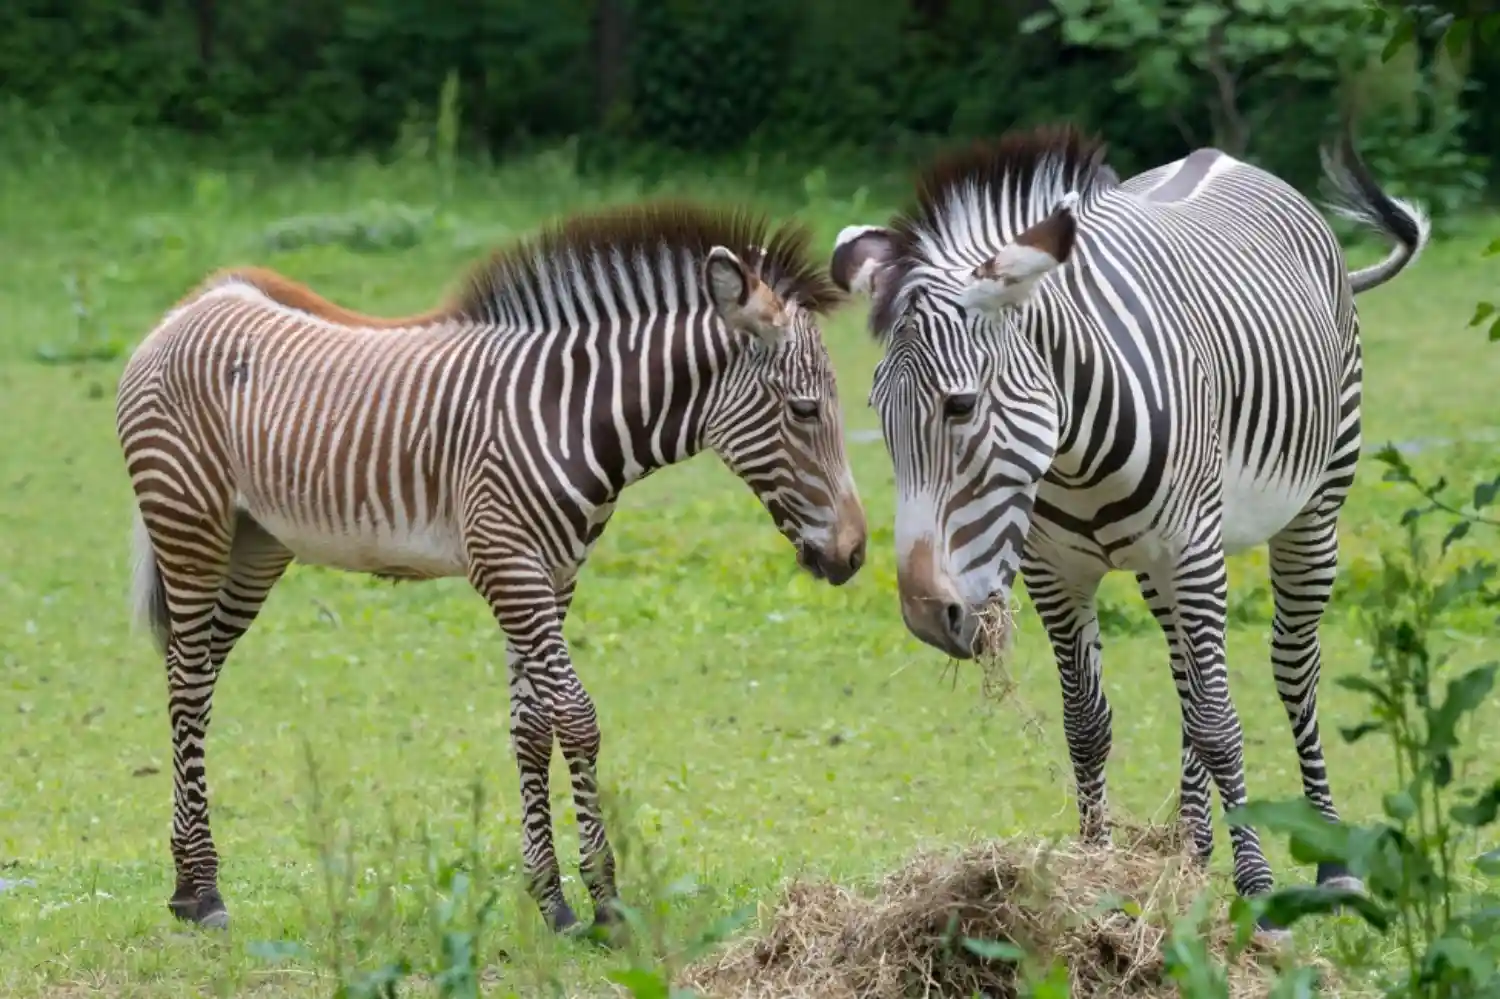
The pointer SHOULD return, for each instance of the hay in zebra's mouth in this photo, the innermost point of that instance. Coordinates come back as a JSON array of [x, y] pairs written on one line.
[[994, 645], [1103, 912]]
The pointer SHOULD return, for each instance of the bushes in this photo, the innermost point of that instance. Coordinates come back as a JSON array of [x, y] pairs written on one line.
[[886, 77]]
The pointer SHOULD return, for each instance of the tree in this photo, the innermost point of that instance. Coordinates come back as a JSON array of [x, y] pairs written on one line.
[[1186, 48]]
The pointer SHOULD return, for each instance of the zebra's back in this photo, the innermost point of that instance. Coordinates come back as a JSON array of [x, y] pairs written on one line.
[[346, 445], [1231, 279]]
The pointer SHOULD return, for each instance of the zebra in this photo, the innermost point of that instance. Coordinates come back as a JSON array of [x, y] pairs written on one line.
[[1082, 375], [488, 439]]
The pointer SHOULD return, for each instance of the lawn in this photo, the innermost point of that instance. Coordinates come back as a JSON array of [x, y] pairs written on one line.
[[757, 724]]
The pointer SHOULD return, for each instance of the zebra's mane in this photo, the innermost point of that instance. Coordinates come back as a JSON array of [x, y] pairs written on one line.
[[624, 250], [972, 201]]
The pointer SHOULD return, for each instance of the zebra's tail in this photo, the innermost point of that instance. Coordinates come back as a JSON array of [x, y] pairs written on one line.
[[148, 595], [1355, 195]]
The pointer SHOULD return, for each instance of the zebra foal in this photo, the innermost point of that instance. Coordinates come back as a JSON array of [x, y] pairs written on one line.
[[489, 439], [1084, 375]]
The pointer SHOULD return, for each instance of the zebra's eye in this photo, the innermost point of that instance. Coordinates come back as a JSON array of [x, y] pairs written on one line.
[[959, 406], [803, 409]]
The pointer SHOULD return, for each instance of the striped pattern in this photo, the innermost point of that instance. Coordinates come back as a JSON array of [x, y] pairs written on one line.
[[487, 439], [1085, 375]]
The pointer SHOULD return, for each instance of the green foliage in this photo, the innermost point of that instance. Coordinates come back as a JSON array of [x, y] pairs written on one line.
[[1425, 880], [1182, 52], [888, 78]]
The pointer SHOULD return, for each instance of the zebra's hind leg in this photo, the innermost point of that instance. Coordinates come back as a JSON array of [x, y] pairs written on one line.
[[1194, 811], [1304, 566], [1068, 613], [256, 562], [191, 556], [1196, 587]]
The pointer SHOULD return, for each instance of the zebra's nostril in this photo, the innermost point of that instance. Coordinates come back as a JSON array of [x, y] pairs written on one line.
[[955, 616], [856, 558]]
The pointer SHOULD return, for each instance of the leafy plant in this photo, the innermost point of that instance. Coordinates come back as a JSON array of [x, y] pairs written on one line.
[[1421, 864], [1184, 51]]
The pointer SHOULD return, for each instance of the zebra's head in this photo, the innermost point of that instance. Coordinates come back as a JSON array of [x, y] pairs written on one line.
[[776, 421], [968, 409]]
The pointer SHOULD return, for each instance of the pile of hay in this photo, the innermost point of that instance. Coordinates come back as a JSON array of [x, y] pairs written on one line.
[[1056, 901]]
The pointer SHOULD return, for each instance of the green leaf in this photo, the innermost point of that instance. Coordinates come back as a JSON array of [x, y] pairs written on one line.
[[1040, 21], [1488, 863], [1398, 469], [1354, 733], [1495, 330], [1482, 811], [1399, 805], [1313, 838], [1482, 311], [1365, 685], [1464, 695], [994, 950], [1288, 906], [1466, 581], [1456, 533], [1485, 492], [1403, 35], [1494, 248]]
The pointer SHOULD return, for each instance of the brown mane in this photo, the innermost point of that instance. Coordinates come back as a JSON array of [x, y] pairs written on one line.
[[294, 295], [780, 257], [513, 274], [1036, 164]]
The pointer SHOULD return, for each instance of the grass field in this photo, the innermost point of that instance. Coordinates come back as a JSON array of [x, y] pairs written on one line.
[[757, 724]]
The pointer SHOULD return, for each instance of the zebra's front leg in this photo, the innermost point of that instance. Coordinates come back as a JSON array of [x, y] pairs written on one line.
[[1196, 588], [1194, 816], [524, 600], [579, 736], [1069, 614]]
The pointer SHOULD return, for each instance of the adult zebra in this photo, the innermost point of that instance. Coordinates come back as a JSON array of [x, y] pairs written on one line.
[[488, 438], [1084, 375]]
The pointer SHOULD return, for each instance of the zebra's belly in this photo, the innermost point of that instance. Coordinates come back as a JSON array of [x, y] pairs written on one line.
[[415, 551], [1256, 509]]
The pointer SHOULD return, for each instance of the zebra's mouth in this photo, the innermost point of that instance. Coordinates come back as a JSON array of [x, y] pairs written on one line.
[[811, 561]]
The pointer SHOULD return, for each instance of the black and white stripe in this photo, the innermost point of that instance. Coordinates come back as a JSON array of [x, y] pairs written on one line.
[[1085, 375], [489, 439]]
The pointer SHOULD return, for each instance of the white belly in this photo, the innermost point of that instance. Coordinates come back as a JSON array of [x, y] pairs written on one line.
[[417, 551], [1255, 511]]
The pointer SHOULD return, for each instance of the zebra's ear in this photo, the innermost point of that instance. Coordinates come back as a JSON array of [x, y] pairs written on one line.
[[861, 254], [745, 302], [1009, 277]]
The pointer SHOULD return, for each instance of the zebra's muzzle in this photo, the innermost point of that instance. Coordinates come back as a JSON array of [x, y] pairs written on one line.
[[823, 566]]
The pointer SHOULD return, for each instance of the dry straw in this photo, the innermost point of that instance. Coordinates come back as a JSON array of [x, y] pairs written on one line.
[[1104, 912]]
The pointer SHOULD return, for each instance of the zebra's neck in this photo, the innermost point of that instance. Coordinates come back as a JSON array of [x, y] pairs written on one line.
[[613, 402]]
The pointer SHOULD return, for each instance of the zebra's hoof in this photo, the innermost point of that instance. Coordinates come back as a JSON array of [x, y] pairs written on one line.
[[607, 931], [1270, 935], [562, 919], [204, 908], [1337, 877]]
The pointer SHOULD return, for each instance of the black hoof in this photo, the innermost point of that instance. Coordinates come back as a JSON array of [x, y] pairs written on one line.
[[609, 930], [203, 907], [562, 919], [1269, 933], [1336, 876]]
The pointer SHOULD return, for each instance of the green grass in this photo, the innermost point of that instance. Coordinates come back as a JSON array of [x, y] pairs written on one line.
[[760, 724]]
